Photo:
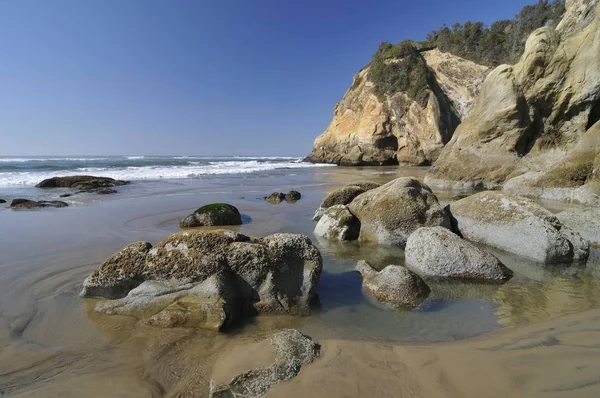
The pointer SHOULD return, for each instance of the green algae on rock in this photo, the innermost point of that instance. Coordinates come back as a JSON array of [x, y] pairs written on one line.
[[216, 214]]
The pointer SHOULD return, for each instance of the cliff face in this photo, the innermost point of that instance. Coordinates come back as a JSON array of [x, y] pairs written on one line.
[[377, 130], [534, 128]]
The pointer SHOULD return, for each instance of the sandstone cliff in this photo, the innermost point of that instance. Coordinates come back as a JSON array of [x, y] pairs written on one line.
[[535, 126], [371, 129]]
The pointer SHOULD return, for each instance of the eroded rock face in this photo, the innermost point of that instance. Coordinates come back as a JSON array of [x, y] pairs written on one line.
[[516, 225], [439, 253], [338, 223], [395, 285], [291, 350], [390, 213], [206, 278], [539, 116], [32, 204], [216, 214], [80, 182], [367, 130]]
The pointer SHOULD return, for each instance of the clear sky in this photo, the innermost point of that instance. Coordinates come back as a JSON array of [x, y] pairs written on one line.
[[193, 77]]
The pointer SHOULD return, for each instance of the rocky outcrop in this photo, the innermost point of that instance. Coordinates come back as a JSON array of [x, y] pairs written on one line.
[[207, 278], [390, 213], [371, 130], [289, 349], [586, 222], [338, 223], [32, 204], [216, 214], [80, 182], [517, 225], [539, 116], [439, 253], [394, 286]]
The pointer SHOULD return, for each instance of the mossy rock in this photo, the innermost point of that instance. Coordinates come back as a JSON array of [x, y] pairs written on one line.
[[216, 214]]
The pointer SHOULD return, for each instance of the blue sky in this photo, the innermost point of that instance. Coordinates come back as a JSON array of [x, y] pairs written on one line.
[[192, 77]]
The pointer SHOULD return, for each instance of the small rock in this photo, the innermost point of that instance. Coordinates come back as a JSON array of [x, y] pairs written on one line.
[[2, 201], [437, 252], [395, 285], [105, 191], [65, 195], [338, 223], [216, 214], [291, 350], [32, 204], [275, 197], [293, 196]]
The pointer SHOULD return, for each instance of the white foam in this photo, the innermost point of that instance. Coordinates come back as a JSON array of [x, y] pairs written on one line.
[[24, 160], [22, 179]]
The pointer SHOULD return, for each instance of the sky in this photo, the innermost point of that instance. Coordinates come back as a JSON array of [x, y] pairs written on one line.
[[194, 77]]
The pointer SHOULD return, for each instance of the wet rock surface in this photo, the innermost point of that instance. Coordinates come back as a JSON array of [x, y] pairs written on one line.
[[216, 214]]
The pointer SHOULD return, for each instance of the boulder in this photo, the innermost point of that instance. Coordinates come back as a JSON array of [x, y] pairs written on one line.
[[338, 223], [2, 201], [206, 279], [293, 196], [513, 224], [216, 214], [584, 221], [395, 285], [437, 252], [283, 355], [390, 213], [32, 204], [80, 182], [343, 196], [275, 197]]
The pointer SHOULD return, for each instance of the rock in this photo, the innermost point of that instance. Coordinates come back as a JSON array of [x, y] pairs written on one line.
[[216, 214], [584, 221], [540, 116], [392, 129], [275, 197], [390, 213], [338, 223], [513, 224], [395, 285], [2, 201], [439, 253], [80, 182], [65, 195], [106, 191], [366, 185], [293, 196], [206, 279], [343, 196], [289, 349], [32, 204]]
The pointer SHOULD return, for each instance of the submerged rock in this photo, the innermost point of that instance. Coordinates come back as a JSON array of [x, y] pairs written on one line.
[[437, 252], [516, 225], [207, 278], [390, 213], [338, 223], [216, 214], [2, 201], [395, 285], [289, 349], [80, 182], [293, 196], [275, 197], [106, 191], [32, 204]]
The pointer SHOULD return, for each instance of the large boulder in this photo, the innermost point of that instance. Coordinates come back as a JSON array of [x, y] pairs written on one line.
[[439, 253], [390, 213], [206, 278], [338, 223], [281, 357], [80, 182], [516, 225], [216, 214], [32, 204], [585, 221], [395, 285], [344, 195]]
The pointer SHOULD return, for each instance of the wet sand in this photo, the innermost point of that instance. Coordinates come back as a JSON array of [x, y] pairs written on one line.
[[52, 344]]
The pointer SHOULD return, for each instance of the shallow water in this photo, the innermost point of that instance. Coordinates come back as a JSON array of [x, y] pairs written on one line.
[[53, 344]]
